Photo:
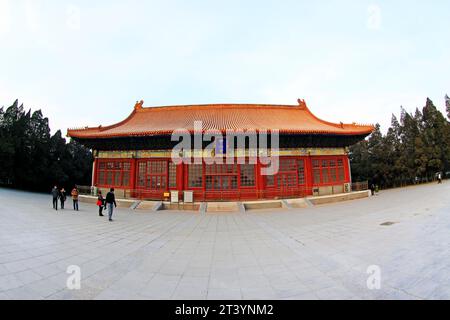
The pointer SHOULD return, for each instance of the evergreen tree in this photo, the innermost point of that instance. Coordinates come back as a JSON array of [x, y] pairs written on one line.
[[401, 171], [421, 155], [359, 157], [82, 159], [376, 154], [393, 148], [6, 151], [413, 150], [11, 143], [447, 135], [434, 139], [59, 160], [447, 105], [32, 159], [409, 131]]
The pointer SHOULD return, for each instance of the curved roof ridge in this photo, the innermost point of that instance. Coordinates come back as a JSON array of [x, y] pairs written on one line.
[[227, 105], [118, 124], [304, 106]]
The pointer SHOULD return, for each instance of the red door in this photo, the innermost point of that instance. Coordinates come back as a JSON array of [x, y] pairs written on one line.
[[152, 178], [289, 182], [221, 181]]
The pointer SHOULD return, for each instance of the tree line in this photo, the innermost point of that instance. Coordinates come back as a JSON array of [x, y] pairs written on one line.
[[33, 159], [415, 148]]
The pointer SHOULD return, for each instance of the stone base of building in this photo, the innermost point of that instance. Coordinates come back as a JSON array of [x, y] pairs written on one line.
[[233, 206]]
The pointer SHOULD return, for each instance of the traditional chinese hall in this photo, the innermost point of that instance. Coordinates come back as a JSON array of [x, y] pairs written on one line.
[[135, 155]]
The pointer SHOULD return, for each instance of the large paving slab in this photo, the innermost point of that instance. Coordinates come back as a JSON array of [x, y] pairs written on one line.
[[319, 252]]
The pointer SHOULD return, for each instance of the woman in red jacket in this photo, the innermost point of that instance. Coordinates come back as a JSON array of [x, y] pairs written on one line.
[[100, 203]]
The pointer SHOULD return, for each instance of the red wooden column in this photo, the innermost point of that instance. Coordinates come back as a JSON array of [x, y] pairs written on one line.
[[94, 172], [133, 175], [259, 180], [308, 175], [347, 169], [238, 168], [180, 178], [204, 179]]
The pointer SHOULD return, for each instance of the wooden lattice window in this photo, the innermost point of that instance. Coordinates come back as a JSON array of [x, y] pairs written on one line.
[[142, 169], [195, 175], [340, 169], [156, 174], [113, 173], [221, 176], [248, 175], [152, 174], [326, 171], [287, 175], [172, 175], [316, 171], [301, 171]]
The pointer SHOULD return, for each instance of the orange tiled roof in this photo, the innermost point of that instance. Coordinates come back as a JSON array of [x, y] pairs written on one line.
[[164, 120]]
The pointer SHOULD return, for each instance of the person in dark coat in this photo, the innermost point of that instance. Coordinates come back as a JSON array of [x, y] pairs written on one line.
[[110, 202], [55, 196], [100, 203], [62, 197], [372, 188]]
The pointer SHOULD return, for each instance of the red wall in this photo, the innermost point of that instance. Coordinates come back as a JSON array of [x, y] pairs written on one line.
[[260, 191]]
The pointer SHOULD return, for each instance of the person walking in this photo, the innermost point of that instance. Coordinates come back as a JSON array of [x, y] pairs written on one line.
[[100, 203], [372, 189], [55, 195], [439, 178], [110, 202], [74, 195], [62, 197]]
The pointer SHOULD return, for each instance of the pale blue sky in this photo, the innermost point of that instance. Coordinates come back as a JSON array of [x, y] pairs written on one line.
[[87, 62]]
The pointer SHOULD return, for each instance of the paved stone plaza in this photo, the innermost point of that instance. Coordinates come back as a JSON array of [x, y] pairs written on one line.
[[321, 252]]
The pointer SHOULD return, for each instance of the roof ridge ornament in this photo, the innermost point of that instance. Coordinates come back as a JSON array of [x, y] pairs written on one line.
[[139, 105], [302, 104]]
